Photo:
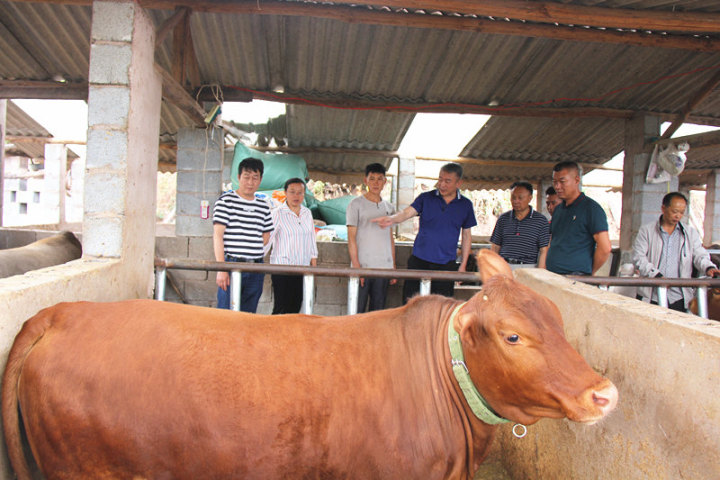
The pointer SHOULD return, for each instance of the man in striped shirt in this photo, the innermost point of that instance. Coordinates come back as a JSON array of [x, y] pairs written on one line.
[[521, 235], [241, 228]]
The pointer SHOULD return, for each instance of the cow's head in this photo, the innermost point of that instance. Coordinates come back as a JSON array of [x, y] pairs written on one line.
[[517, 355]]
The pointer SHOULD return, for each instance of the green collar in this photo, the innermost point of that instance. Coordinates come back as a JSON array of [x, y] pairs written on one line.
[[477, 403]]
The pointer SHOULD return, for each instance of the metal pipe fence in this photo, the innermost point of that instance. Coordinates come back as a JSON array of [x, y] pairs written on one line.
[[425, 276]]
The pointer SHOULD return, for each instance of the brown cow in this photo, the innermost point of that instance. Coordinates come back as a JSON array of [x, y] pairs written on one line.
[[152, 390], [46, 252]]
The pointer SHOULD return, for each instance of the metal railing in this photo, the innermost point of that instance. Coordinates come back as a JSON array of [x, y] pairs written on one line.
[[424, 276]]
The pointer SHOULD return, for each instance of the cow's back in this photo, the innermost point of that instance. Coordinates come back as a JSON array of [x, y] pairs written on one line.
[[55, 250], [165, 391]]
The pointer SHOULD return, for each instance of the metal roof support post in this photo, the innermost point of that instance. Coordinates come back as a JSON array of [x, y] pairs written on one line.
[[235, 285], [662, 296], [308, 293], [425, 286], [352, 297], [702, 302], [160, 277]]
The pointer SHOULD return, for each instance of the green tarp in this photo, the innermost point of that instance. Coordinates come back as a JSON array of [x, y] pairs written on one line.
[[279, 167]]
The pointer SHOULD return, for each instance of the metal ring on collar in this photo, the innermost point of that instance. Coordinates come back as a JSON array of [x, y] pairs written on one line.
[[524, 430]]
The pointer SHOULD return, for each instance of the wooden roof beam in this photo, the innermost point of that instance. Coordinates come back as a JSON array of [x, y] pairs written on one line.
[[43, 90], [359, 14], [564, 14]]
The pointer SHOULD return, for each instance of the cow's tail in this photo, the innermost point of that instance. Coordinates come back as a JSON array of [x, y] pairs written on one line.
[[32, 331]]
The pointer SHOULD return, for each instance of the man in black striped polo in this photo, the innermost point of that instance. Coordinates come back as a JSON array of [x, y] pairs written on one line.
[[241, 228], [521, 235]]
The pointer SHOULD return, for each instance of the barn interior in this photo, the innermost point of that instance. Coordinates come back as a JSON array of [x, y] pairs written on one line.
[[568, 80]]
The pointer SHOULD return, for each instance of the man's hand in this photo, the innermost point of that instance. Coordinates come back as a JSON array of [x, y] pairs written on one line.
[[223, 280], [383, 222], [393, 281], [712, 272]]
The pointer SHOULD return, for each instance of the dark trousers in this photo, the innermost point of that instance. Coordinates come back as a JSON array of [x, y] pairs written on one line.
[[679, 305], [287, 293], [251, 287], [376, 290], [412, 287]]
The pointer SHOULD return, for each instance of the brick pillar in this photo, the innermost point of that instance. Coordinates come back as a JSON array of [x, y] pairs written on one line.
[[641, 201], [541, 205], [406, 191], [711, 222], [122, 148], [54, 184], [199, 177]]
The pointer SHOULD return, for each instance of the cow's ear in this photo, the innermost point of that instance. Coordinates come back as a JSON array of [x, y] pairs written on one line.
[[491, 264], [468, 315]]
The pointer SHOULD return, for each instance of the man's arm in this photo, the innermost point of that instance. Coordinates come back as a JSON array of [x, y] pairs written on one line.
[[222, 279], [542, 256], [393, 281], [641, 254], [465, 247], [352, 246], [495, 247], [602, 250], [399, 217]]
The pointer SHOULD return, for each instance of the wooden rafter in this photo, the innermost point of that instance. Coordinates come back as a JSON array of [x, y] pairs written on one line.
[[699, 96], [169, 24], [174, 93], [696, 141]]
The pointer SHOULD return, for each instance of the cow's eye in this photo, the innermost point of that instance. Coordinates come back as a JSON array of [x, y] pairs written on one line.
[[514, 338]]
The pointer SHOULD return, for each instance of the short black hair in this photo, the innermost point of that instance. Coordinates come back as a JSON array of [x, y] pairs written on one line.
[[453, 167], [567, 166], [375, 168], [251, 165], [550, 191], [293, 181], [667, 199], [524, 185]]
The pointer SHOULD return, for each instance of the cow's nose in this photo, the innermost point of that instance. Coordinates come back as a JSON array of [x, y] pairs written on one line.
[[605, 398]]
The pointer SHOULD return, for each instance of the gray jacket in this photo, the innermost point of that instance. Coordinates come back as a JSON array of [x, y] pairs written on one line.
[[647, 251]]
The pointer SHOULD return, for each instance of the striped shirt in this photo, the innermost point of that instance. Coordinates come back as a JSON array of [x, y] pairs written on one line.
[[293, 240], [520, 240], [245, 222], [670, 262]]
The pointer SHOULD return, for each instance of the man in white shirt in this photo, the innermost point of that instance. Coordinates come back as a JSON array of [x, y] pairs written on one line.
[[369, 245]]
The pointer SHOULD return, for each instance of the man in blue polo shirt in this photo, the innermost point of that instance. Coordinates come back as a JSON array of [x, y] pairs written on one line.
[[521, 235], [444, 213], [579, 241]]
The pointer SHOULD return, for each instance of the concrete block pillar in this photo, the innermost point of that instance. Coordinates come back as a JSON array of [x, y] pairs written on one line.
[[54, 183], [641, 200], [406, 191], [3, 120], [540, 196], [123, 129], [711, 234], [199, 177]]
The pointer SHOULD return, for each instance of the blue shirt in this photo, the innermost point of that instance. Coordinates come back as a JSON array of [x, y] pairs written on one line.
[[440, 225], [572, 246], [521, 239]]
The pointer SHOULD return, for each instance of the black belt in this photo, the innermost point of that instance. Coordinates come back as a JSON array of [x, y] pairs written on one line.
[[514, 261], [233, 258]]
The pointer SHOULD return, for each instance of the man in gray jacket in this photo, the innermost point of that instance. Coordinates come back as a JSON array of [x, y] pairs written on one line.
[[668, 248]]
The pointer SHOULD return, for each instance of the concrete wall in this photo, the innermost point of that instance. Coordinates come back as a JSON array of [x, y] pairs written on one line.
[[666, 366]]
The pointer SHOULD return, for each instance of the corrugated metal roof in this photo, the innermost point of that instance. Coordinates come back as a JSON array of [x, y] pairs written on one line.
[[20, 124], [340, 61]]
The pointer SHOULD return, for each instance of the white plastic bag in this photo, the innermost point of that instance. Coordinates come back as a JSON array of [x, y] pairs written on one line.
[[666, 163]]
